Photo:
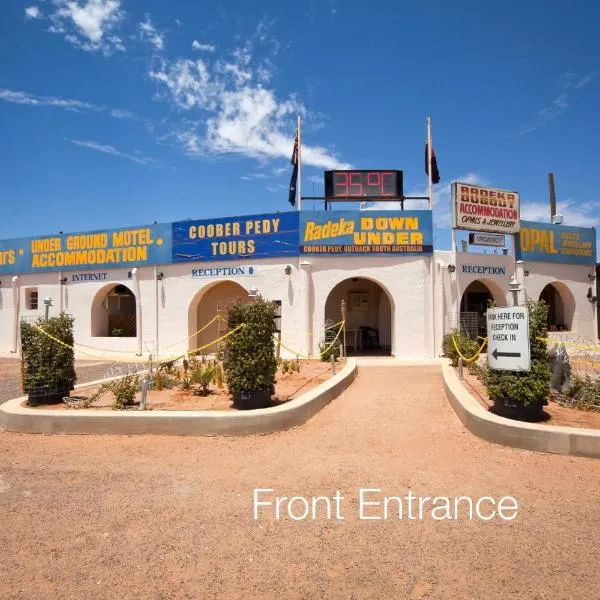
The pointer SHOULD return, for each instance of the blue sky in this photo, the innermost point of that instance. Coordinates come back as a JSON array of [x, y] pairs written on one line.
[[116, 112]]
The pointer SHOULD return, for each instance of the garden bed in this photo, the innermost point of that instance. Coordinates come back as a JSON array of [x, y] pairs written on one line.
[[288, 386], [558, 415]]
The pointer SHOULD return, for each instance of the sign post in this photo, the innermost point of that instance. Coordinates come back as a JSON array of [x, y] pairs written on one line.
[[508, 339]]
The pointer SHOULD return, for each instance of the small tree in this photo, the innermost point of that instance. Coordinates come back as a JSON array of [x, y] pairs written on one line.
[[526, 387], [250, 363], [48, 366]]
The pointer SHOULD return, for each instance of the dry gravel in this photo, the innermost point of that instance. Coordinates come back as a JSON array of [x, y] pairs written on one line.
[[163, 517]]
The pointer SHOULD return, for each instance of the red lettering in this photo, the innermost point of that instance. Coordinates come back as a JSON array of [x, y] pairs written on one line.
[[374, 187], [340, 186], [387, 187], [356, 188]]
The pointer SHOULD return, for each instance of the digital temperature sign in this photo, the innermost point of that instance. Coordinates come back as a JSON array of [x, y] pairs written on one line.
[[347, 185]]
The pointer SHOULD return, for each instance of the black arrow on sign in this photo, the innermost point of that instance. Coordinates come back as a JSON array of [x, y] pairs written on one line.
[[496, 354]]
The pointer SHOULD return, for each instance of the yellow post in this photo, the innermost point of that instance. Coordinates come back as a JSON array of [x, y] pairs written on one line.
[[344, 325]]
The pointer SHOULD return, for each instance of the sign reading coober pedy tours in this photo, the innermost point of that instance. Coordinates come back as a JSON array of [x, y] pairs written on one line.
[[479, 208], [543, 242], [145, 245], [366, 232]]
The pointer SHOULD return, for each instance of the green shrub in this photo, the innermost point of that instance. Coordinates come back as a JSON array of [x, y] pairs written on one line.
[[204, 376], [124, 390], [48, 367], [250, 362], [481, 371], [526, 386], [468, 346], [327, 351], [583, 393]]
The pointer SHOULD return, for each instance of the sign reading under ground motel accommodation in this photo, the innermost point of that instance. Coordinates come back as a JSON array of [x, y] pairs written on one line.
[[508, 339], [241, 271], [479, 208]]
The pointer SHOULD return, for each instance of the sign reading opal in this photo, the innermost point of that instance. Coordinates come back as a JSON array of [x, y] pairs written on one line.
[[256, 236], [556, 243], [105, 249], [366, 232]]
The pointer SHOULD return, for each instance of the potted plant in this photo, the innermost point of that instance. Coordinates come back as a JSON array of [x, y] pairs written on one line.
[[522, 395], [249, 357], [468, 346], [47, 365]]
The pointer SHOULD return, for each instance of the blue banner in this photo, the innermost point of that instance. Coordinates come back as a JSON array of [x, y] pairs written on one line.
[[544, 242], [352, 232], [92, 250], [249, 237]]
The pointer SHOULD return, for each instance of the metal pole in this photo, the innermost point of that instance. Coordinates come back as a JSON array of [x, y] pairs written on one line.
[[460, 368], [552, 196], [299, 182], [144, 394], [429, 151], [344, 324], [332, 359]]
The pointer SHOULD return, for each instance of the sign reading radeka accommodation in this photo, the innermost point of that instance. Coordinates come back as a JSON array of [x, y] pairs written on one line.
[[544, 242], [147, 245], [479, 208], [248, 237], [366, 232]]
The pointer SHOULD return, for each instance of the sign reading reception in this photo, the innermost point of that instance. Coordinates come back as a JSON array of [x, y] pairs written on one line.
[[146, 245], [353, 232], [556, 243], [255, 236]]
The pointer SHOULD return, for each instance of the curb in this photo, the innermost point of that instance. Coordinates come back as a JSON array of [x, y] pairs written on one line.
[[517, 434], [18, 418]]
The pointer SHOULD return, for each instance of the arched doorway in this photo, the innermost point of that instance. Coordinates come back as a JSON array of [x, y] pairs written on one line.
[[368, 315], [113, 312], [474, 304], [204, 307], [561, 306]]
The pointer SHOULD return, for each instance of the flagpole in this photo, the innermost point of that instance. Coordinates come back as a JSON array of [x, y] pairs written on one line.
[[429, 154], [299, 183]]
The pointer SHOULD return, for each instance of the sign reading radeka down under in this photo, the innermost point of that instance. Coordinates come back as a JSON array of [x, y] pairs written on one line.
[[366, 232], [556, 243], [248, 237], [146, 245], [479, 208]]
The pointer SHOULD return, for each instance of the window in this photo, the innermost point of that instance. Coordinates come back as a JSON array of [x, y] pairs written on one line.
[[31, 298]]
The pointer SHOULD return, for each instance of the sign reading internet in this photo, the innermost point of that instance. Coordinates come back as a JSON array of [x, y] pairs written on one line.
[[249, 237], [544, 242], [366, 232], [148, 245], [479, 208]]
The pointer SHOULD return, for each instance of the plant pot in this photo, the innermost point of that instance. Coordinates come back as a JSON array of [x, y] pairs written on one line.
[[516, 409], [252, 400], [46, 394]]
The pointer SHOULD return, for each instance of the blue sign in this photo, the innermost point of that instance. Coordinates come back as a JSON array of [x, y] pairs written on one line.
[[352, 232], [544, 242], [249, 237], [99, 250]]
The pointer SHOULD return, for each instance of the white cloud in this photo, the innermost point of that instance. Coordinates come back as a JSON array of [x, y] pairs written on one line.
[[560, 104], [240, 116], [196, 45], [149, 33], [89, 26], [19, 97], [577, 214], [32, 12], [253, 176], [107, 149]]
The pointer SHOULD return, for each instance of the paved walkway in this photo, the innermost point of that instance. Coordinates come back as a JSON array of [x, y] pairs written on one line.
[[145, 517]]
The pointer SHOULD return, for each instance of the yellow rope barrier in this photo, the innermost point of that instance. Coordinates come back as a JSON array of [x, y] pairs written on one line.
[[473, 358], [573, 345], [299, 354]]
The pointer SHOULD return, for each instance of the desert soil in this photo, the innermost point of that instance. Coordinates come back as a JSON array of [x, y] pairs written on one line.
[[559, 415], [146, 517]]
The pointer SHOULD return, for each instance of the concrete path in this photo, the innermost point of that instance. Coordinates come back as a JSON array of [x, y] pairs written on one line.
[[162, 517]]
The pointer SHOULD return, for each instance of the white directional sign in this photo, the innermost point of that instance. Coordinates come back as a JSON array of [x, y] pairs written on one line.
[[508, 339]]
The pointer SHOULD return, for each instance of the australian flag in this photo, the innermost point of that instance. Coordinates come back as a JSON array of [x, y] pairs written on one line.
[[294, 178], [435, 174]]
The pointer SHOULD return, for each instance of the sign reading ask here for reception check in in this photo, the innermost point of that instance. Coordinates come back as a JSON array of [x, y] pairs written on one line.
[[407, 232], [248, 237]]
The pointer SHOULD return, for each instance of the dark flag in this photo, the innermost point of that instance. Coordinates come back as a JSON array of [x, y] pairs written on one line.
[[435, 174], [294, 178]]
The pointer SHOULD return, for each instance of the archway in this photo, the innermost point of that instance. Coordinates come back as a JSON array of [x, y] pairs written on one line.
[[203, 308], [113, 312], [368, 315], [474, 304], [561, 306]]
